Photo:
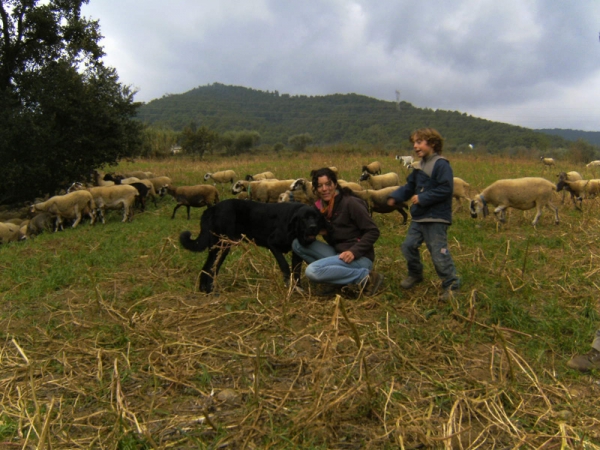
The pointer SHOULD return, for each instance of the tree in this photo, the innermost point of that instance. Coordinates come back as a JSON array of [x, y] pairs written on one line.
[[299, 142], [62, 112], [198, 141], [238, 142]]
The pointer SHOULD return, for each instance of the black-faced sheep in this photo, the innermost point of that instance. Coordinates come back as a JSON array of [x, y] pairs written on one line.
[[222, 177], [192, 196], [144, 193], [373, 168], [69, 206], [260, 176], [159, 182], [381, 181], [519, 193], [377, 201], [568, 176], [580, 189]]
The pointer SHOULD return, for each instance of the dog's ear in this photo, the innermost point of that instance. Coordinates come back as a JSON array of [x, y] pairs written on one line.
[[292, 228]]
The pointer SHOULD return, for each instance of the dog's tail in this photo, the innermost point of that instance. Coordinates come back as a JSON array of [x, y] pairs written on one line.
[[205, 238]]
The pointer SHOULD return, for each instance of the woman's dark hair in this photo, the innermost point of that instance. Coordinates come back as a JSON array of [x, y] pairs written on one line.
[[324, 172]]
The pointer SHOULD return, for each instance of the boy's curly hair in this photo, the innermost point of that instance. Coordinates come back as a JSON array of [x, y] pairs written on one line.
[[431, 135]]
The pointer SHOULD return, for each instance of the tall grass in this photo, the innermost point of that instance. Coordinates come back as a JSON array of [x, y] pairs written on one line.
[[107, 342]]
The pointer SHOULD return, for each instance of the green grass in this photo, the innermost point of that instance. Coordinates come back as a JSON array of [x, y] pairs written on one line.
[[105, 331]]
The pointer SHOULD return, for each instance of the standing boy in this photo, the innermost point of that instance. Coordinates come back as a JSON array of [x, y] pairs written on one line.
[[429, 188]]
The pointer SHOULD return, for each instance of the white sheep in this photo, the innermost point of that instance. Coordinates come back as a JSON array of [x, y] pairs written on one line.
[[593, 163], [547, 161], [196, 196], [266, 191], [142, 175], [296, 196], [381, 181], [260, 176], [69, 206], [406, 160], [580, 189], [159, 182], [119, 196], [373, 168], [9, 232], [99, 179], [350, 185], [304, 190], [222, 177], [519, 193]]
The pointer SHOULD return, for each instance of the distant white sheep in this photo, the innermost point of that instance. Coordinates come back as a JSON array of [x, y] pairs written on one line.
[[593, 163], [547, 161], [260, 176], [350, 185], [222, 177], [266, 191], [405, 160], [381, 181], [519, 193]]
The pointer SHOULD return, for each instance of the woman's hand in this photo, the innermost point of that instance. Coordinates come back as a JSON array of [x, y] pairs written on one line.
[[347, 257]]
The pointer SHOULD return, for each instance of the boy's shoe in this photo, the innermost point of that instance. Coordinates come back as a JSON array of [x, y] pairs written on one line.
[[448, 294], [587, 362], [410, 281], [374, 284]]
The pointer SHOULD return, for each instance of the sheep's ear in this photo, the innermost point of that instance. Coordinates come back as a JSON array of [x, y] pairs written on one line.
[[486, 210]]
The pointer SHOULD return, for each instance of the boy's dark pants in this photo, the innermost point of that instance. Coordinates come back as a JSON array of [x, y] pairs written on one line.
[[435, 236]]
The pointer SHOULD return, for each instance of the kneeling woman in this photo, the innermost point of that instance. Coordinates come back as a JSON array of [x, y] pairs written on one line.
[[348, 256]]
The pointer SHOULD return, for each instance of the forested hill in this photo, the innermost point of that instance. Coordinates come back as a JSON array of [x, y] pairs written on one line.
[[329, 119], [593, 137]]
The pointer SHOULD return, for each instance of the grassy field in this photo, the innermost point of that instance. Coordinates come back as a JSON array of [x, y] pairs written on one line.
[[107, 343]]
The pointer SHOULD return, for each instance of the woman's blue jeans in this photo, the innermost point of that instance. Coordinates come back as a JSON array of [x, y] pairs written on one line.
[[325, 266], [435, 236]]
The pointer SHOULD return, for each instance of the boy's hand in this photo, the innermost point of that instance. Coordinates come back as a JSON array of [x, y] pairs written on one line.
[[415, 199]]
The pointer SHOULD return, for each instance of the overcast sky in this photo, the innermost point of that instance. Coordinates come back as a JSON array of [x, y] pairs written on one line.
[[534, 63]]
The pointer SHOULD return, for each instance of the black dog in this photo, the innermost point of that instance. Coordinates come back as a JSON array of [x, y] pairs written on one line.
[[270, 225]]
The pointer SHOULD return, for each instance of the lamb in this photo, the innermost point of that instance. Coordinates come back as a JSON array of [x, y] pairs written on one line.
[[373, 168], [381, 181], [196, 196], [39, 223], [568, 176], [580, 189], [69, 206], [519, 193], [112, 197], [225, 176], [260, 176], [460, 191], [547, 161], [377, 201], [266, 191], [406, 160]]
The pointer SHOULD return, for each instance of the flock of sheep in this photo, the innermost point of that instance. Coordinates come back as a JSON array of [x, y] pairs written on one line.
[[125, 191]]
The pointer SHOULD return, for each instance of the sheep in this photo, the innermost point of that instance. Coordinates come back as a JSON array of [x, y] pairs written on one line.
[[547, 161], [373, 168], [296, 196], [519, 193], [406, 160], [303, 189], [381, 181], [580, 189], [99, 180], [225, 176], [39, 223], [113, 197], [149, 190], [350, 184], [69, 206], [196, 196], [9, 232], [159, 182], [138, 174], [377, 201], [593, 163], [120, 179], [266, 191], [260, 176], [568, 176], [332, 168], [460, 191]]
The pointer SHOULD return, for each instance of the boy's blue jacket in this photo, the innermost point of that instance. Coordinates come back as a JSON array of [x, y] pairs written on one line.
[[435, 192]]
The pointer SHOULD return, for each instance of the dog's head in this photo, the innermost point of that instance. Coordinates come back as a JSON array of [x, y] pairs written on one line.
[[305, 225]]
